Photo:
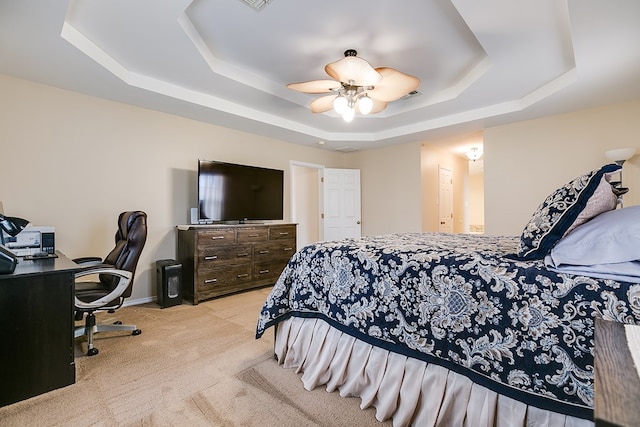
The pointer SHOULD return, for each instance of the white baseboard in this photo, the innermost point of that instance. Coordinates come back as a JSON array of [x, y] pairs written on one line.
[[128, 301]]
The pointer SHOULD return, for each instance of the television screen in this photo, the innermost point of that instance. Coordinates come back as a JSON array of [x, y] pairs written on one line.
[[231, 192]]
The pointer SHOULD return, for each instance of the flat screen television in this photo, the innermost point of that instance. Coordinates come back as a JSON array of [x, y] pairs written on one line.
[[230, 192]]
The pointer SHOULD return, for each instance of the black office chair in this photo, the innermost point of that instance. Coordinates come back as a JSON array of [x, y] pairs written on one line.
[[113, 279]]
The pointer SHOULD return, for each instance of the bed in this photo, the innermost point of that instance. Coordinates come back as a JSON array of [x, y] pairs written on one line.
[[464, 329]]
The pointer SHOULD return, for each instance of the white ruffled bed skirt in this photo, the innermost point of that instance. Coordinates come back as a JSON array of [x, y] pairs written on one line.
[[407, 390]]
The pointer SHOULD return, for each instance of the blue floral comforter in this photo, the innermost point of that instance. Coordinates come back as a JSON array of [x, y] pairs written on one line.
[[459, 301]]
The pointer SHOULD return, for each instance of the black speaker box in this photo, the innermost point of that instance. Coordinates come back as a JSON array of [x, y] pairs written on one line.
[[169, 278]]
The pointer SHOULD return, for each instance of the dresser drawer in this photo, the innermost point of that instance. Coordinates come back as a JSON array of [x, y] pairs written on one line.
[[279, 232], [278, 250], [224, 278], [252, 234], [268, 272], [218, 256], [208, 238]]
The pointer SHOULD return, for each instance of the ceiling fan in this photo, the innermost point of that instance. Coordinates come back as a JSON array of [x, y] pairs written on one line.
[[357, 85]]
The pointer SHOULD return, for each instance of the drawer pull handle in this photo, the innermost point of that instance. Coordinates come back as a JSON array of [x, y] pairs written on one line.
[[288, 249], [210, 258], [254, 235], [283, 233], [211, 281], [264, 252], [240, 276], [264, 271], [243, 254], [217, 237]]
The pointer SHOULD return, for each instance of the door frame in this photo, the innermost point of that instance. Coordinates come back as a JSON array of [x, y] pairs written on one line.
[[293, 193]]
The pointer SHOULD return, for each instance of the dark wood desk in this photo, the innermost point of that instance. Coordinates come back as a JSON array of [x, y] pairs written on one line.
[[616, 384], [36, 328]]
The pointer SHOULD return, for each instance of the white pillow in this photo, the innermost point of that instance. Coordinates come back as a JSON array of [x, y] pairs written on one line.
[[610, 237]]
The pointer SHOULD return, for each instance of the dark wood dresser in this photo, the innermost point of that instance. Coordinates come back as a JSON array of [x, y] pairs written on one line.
[[219, 260], [616, 383]]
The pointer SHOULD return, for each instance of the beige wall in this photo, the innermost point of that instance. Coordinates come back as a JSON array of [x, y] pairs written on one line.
[[305, 203], [475, 200], [432, 158], [75, 162], [400, 187], [390, 181], [526, 161]]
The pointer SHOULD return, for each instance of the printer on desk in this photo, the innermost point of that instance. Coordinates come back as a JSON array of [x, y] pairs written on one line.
[[31, 240]]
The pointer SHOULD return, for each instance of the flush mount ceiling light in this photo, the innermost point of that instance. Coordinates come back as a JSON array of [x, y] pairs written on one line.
[[474, 154], [357, 86]]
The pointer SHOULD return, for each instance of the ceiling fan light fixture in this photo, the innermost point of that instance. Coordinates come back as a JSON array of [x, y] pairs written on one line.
[[357, 86], [354, 70], [348, 114], [365, 104], [340, 104]]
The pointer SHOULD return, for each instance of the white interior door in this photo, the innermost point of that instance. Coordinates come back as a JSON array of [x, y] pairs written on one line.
[[341, 203], [445, 200]]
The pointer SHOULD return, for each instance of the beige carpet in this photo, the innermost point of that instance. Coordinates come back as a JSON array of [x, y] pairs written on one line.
[[192, 365]]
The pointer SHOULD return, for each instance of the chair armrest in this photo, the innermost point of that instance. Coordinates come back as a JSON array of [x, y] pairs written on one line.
[[87, 260], [123, 283], [93, 268]]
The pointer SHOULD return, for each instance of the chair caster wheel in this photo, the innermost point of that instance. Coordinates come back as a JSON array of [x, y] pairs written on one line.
[[136, 332], [92, 351]]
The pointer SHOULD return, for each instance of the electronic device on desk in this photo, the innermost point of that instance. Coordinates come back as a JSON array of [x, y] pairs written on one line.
[[39, 255], [32, 241]]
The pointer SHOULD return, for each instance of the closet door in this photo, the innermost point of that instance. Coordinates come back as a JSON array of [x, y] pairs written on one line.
[[341, 207], [445, 200]]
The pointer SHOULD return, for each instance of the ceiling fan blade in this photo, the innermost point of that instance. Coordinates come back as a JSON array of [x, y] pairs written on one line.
[[377, 106], [394, 85], [322, 104], [315, 86], [353, 70]]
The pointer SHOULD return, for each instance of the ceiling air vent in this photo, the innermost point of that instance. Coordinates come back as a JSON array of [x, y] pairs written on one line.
[[346, 149], [411, 94], [257, 4]]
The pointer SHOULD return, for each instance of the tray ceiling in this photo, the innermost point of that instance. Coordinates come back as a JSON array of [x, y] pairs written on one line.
[[480, 63]]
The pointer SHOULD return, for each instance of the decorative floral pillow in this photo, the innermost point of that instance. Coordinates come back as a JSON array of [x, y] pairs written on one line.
[[572, 204]]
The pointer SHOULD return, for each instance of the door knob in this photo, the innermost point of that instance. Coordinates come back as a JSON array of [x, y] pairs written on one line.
[[358, 222]]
